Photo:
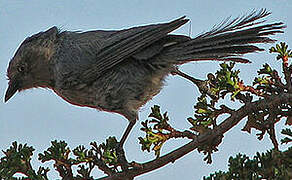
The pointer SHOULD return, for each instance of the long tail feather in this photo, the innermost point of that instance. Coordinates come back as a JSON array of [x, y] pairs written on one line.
[[227, 41]]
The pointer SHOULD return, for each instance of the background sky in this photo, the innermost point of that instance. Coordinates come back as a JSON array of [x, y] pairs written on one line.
[[38, 116]]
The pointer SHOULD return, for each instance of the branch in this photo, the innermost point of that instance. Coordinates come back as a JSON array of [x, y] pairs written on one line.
[[218, 131]]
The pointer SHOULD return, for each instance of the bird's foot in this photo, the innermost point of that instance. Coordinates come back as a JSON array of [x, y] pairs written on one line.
[[121, 157]]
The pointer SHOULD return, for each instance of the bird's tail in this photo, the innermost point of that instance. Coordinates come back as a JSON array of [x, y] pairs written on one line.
[[227, 41]]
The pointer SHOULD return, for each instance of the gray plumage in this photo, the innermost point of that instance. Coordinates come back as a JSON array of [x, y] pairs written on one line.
[[119, 71]]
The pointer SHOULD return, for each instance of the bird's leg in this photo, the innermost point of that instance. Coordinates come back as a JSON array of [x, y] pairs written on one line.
[[205, 86], [127, 132], [132, 117], [176, 71], [119, 149]]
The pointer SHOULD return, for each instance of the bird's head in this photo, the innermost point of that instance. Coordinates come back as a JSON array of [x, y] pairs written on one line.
[[31, 65]]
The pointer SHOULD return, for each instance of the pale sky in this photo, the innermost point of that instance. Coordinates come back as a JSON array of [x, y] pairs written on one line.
[[38, 116]]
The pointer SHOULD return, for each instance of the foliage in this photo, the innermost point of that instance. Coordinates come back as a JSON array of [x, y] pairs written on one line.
[[273, 164], [17, 159]]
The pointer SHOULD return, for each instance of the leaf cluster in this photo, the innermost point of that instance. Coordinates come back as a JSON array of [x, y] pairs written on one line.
[[273, 164]]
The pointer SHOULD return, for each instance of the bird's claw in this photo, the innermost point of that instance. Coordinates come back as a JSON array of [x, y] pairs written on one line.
[[121, 157]]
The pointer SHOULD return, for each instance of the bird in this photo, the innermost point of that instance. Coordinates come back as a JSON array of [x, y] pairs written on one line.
[[121, 70]]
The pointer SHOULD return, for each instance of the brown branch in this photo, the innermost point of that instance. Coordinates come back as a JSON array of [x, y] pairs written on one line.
[[102, 166], [272, 134], [225, 126]]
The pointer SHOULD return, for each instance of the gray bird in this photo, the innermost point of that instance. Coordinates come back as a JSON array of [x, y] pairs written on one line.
[[119, 71]]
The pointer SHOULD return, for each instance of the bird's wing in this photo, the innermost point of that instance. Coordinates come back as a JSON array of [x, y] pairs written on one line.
[[122, 44]]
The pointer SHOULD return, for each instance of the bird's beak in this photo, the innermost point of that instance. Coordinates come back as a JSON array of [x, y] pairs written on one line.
[[12, 88]]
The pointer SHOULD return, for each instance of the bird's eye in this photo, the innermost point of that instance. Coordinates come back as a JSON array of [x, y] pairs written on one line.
[[21, 68]]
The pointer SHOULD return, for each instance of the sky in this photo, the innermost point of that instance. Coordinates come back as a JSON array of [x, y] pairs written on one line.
[[38, 116]]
